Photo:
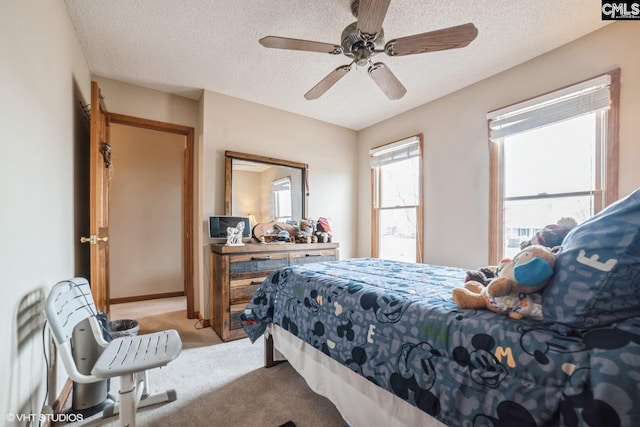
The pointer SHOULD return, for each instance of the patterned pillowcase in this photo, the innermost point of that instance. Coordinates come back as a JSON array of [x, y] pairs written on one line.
[[597, 274]]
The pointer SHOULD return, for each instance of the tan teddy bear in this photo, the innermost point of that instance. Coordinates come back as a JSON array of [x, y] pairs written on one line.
[[305, 232], [514, 290]]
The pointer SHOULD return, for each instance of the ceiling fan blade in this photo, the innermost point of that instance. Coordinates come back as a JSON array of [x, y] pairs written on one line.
[[371, 14], [446, 38], [387, 81], [296, 44], [325, 84]]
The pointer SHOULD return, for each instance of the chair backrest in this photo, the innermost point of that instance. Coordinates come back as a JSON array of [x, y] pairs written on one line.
[[68, 303]]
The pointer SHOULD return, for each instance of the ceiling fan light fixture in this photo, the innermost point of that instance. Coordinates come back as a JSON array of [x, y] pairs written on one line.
[[364, 38], [353, 40]]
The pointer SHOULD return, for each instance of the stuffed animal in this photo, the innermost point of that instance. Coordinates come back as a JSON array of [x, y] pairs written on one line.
[[305, 232], [323, 230], [514, 291], [483, 275], [551, 235]]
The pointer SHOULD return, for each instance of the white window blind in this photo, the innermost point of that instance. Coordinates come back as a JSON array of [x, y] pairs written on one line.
[[395, 152], [584, 98], [282, 184]]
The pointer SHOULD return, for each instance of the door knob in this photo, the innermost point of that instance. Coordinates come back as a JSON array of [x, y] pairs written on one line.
[[93, 239]]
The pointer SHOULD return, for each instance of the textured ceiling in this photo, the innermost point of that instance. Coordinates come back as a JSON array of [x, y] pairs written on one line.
[[184, 46]]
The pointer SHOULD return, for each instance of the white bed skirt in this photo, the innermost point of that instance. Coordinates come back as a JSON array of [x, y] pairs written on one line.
[[360, 402]]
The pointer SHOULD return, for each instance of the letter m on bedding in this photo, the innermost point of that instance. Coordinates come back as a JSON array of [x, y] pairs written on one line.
[[505, 352]]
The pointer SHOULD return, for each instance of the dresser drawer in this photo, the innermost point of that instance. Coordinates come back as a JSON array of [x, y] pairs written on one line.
[[237, 272], [241, 290], [305, 257], [248, 266], [234, 315]]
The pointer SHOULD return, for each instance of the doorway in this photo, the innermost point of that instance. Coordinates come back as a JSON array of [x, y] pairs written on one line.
[[154, 219]]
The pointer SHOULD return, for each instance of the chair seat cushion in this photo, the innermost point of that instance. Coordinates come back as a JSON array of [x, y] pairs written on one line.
[[127, 354]]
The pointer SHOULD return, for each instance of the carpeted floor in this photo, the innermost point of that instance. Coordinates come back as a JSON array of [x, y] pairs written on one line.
[[221, 384]]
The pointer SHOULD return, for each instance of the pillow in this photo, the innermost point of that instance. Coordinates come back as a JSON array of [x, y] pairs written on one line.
[[597, 273]]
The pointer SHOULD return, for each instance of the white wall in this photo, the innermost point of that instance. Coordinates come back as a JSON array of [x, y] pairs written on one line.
[[43, 76], [456, 154]]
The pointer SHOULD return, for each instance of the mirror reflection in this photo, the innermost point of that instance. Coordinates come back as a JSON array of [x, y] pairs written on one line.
[[265, 189]]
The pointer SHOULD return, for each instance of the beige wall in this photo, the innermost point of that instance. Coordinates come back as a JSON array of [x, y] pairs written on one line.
[[456, 149], [245, 185], [136, 101], [43, 77], [226, 123], [145, 212], [234, 124]]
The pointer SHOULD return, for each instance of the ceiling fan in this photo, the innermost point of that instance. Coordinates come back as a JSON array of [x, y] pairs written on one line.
[[365, 38]]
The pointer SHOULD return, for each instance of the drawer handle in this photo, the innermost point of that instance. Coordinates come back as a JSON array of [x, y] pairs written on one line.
[[309, 255], [263, 258], [255, 282]]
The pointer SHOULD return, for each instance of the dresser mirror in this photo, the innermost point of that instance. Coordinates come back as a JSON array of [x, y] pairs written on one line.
[[264, 189]]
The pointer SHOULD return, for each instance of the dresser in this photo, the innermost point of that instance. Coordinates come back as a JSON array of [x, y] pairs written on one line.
[[238, 271]]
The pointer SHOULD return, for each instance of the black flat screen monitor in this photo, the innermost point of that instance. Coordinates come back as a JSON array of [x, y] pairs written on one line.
[[218, 226]]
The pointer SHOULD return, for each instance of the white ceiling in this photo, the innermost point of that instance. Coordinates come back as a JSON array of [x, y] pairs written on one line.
[[184, 46]]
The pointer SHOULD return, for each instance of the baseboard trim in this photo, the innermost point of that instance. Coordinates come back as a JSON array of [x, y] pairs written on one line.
[[58, 405], [205, 322], [145, 297]]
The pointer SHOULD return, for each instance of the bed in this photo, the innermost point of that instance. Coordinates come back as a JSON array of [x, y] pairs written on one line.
[[384, 341]]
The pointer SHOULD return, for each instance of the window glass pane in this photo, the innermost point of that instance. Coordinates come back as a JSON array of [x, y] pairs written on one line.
[[398, 234], [523, 218], [399, 183], [559, 158], [281, 190]]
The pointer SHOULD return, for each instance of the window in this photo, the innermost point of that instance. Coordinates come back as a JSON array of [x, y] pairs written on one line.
[[281, 191], [552, 156], [396, 171]]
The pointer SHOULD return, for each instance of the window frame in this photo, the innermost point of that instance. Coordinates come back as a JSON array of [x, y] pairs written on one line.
[[496, 168], [276, 198], [376, 209]]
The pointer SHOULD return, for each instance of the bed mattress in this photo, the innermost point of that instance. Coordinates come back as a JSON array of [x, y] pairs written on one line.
[[396, 325]]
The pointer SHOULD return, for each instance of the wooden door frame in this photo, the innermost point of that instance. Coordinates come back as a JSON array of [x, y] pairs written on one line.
[[98, 201], [187, 193]]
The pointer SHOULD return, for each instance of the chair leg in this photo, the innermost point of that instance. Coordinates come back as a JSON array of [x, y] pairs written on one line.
[[147, 399], [152, 399], [145, 385], [138, 392], [127, 401], [155, 398]]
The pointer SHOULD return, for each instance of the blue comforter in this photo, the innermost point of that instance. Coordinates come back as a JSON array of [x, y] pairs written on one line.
[[396, 324]]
